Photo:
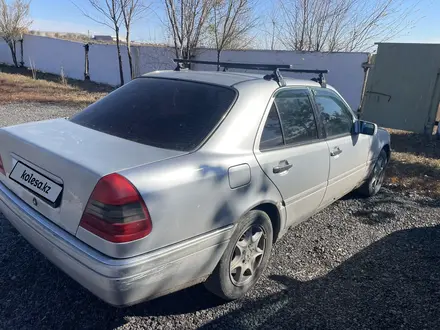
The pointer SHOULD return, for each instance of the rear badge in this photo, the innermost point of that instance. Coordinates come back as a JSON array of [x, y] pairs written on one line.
[[35, 201]]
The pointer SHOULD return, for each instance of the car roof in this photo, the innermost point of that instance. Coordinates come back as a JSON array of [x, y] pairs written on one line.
[[224, 78]]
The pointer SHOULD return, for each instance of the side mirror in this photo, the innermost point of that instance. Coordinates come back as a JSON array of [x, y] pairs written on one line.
[[363, 127]]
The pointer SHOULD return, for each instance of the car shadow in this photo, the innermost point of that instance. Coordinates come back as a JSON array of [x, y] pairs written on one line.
[[393, 283]]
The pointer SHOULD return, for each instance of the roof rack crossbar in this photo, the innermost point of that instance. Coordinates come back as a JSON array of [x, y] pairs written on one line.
[[320, 79], [275, 68], [304, 71], [236, 65]]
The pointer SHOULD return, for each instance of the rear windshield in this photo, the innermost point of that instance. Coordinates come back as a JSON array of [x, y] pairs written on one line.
[[164, 113]]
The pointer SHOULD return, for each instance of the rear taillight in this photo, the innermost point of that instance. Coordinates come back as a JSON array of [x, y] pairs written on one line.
[[116, 212], [2, 167]]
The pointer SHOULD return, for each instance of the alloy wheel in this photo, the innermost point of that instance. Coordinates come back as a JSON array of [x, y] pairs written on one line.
[[247, 255], [378, 174]]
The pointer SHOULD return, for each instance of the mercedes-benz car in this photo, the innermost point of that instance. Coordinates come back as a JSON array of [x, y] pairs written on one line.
[[182, 177]]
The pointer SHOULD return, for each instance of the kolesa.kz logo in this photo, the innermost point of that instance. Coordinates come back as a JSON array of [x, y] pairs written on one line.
[[29, 178]]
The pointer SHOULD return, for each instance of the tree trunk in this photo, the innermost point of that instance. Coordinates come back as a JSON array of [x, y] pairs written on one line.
[[21, 53], [181, 52], [176, 46], [86, 63], [130, 59], [13, 49], [218, 59], [118, 47], [272, 44]]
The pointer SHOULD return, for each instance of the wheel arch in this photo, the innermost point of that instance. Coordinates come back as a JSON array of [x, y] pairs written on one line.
[[274, 214]]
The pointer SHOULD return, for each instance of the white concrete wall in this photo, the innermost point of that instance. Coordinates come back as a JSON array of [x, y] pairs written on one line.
[[153, 58], [5, 53], [104, 67], [103, 64], [50, 54], [346, 73]]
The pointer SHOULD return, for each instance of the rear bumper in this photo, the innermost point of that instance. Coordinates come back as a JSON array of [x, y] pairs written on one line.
[[119, 282]]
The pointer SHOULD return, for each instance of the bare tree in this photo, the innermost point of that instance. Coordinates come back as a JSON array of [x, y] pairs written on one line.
[[14, 22], [187, 20], [230, 23], [267, 29], [110, 15], [131, 10], [386, 20], [272, 39], [341, 25]]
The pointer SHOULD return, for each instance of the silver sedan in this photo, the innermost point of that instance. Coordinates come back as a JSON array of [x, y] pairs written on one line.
[[184, 177]]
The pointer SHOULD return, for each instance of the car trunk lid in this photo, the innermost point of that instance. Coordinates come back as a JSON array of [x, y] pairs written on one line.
[[70, 159]]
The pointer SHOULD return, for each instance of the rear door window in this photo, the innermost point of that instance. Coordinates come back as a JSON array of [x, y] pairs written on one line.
[[164, 113], [297, 116]]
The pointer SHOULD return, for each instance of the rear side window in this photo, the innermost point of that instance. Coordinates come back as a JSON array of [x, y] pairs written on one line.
[[297, 117], [164, 113]]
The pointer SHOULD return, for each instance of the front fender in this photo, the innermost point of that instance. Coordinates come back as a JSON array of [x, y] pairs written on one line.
[[381, 138]]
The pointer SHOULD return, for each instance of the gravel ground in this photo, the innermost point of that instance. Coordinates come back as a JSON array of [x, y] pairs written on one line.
[[13, 114], [359, 264]]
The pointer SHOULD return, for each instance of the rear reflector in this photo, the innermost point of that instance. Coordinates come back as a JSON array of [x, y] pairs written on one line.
[[116, 212], [2, 168]]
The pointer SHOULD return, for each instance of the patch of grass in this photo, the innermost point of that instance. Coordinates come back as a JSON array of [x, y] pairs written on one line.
[[17, 85], [415, 163]]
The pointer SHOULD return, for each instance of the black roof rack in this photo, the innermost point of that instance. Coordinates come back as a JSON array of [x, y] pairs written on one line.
[[276, 68], [320, 79]]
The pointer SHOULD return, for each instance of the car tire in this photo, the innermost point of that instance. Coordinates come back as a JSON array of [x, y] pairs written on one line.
[[245, 258], [374, 183]]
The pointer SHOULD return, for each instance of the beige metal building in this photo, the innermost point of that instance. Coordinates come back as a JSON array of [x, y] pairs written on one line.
[[403, 87]]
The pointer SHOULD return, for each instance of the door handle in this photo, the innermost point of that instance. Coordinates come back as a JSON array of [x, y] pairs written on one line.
[[282, 167], [336, 151]]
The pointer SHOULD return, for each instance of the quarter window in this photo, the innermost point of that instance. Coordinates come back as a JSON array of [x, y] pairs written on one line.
[[335, 115], [297, 117], [272, 136]]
